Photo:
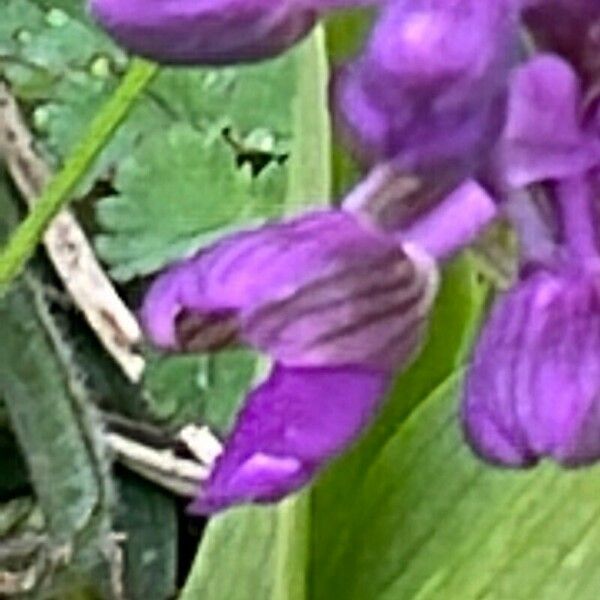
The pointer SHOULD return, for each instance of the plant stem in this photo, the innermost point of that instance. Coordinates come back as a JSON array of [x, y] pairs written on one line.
[[27, 236]]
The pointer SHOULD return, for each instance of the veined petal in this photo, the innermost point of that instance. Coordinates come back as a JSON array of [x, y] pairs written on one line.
[[367, 312], [290, 427], [533, 388], [319, 290], [209, 32]]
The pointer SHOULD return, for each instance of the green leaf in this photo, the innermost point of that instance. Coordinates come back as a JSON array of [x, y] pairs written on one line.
[[150, 551], [265, 548], [38, 402], [175, 193], [246, 98], [56, 431], [438, 524], [56, 435], [200, 388], [229, 376], [310, 168]]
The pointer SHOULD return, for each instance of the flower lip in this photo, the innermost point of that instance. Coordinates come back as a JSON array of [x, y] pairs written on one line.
[[291, 426]]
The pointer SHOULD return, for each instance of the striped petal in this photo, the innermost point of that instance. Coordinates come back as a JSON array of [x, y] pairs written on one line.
[[289, 428], [363, 312], [318, 290], [533, 388]]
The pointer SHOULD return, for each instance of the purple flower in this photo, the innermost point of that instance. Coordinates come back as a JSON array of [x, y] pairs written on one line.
[[429, 90], [210, 32], [533, 388], [336, 304]]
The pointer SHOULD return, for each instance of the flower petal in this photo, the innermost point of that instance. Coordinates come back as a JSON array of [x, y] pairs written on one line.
[[319, 290], [533, 388], [210, 32], [429, 91], [543, 138], [440, 233], [289, 428]]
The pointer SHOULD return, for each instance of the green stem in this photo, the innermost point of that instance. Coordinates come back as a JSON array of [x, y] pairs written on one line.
[[27, 236]]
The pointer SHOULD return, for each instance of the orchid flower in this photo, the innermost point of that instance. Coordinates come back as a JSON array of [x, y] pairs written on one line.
[[338, 305], [533, 386]]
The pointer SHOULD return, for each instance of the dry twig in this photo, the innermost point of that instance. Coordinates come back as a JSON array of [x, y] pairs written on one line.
[[68, 247]]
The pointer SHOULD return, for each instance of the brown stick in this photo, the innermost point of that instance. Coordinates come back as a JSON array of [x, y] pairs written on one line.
[[68, 248]]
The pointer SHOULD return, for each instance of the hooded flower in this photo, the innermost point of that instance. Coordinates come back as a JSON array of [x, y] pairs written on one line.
[[533, 386], [337, 305], [429, 90], [210, 32]]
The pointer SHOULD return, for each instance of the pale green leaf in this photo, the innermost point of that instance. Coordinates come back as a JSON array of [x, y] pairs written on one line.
[[177, 191], [435, 523]]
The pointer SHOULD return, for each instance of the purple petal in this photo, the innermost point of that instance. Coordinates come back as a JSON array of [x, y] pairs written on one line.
[[320, 290], [366, 312], [543, 138], [429, 91], [533, 389], [290, 427], [209, 32], [440, 233]]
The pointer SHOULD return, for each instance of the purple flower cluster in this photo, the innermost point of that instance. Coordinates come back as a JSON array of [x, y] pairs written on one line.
[[464, 109]]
